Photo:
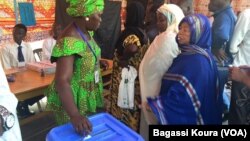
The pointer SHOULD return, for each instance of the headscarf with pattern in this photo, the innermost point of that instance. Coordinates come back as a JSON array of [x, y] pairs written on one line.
[[79, 8], [200, 38], [200, 29]]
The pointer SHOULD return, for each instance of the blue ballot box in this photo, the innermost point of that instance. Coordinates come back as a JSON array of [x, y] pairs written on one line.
[[105, 128]]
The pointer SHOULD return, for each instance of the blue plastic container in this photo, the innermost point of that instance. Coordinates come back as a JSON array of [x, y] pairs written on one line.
[[105, 128]]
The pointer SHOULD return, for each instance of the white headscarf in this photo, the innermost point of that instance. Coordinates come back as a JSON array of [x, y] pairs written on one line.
[[160, 53], [174, 15]]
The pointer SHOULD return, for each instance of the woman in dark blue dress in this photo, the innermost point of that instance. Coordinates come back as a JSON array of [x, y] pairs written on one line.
[[189, 92]]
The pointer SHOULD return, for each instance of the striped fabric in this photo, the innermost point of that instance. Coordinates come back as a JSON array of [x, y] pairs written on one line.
[[191, 92], [157, 106], [187, 50]]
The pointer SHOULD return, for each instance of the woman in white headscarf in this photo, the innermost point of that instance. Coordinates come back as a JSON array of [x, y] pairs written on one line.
[[161, 52]]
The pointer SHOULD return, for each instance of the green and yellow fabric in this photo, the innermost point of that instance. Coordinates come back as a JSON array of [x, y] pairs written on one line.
[[79, 8], [87, 94]]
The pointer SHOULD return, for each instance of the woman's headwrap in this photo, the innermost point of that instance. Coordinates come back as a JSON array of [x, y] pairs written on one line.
[[200, 29], [79, 8], [173, 13], [200, 36]]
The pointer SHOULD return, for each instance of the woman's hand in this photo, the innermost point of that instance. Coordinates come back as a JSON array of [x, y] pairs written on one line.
[[220, 54], [81, 124]]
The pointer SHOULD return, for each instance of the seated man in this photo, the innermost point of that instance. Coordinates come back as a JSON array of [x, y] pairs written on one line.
[[9, 125], [16, 54]]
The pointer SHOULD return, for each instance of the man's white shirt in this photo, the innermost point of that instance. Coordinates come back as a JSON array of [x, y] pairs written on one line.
[[240, 44], [9, 55]]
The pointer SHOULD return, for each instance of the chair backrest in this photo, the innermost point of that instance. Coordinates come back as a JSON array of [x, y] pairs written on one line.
[[38, 54]]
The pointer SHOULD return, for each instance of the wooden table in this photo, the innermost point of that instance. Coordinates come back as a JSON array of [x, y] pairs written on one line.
[[29, 84]]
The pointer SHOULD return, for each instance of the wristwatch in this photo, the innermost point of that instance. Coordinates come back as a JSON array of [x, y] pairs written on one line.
[[8, 118]]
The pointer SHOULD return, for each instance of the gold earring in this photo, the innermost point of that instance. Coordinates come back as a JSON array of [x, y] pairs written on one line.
[[87, 18]]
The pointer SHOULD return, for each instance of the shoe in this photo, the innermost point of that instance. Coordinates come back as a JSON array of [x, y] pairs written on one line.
[[23, 110]]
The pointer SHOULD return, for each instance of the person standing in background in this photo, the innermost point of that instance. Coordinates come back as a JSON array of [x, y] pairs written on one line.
[[9, 125], [239, 112], [161, 51], [50, 42], [222, 32], [150, 18], [130, 49]]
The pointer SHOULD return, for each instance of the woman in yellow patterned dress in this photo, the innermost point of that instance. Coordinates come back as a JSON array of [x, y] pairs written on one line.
[[77, 88], [130, 49]]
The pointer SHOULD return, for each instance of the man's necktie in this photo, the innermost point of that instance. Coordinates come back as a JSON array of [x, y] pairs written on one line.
[[20, 54]]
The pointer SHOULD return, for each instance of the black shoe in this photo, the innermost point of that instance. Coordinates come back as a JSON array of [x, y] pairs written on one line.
[[23, 110]]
